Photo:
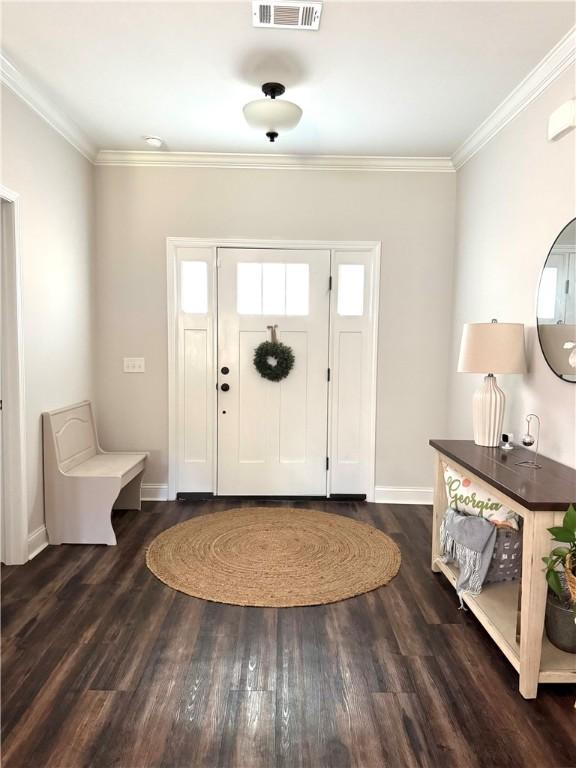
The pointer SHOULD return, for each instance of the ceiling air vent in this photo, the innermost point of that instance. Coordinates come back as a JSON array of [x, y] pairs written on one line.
[[286, 15]]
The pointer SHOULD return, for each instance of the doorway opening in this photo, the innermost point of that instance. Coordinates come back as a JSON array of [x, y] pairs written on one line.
[[234, 432], [13, 508]]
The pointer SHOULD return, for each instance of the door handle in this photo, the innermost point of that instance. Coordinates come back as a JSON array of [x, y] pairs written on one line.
[[225, 387]]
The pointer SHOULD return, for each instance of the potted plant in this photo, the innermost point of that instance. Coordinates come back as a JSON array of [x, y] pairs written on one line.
[[561, 578]]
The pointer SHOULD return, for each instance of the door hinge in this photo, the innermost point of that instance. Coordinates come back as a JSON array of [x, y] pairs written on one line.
[[330, 283], [327, 463], [328, 374]]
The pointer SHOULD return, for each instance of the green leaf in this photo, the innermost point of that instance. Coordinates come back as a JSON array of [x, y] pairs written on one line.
[[560, 552], [559, 533], [570, 519], [554, 582]]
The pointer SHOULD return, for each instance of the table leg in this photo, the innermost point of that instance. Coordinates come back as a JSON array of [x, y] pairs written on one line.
[[439, 509], [536, 544]]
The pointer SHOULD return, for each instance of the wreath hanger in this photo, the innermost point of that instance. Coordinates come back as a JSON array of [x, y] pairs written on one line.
[[273, 334]]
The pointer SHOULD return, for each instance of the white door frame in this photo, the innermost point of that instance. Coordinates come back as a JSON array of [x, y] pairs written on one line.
[[15, 512], [172, 244]]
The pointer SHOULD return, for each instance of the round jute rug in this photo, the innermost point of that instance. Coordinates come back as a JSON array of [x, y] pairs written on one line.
[[273, 556]]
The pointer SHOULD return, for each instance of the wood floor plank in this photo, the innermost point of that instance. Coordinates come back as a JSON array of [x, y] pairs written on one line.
[[32, 738], [443, 714], [354, 711], [406, 619], [297, 703], [106, 667], [140, 737], [405, 737], [473, 707], [255, 668], [355, 636], [198, 726], [91, 713], [128, 656], [437, 606], [249, 732]]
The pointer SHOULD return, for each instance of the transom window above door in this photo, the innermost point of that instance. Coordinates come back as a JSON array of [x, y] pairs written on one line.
[[272, 289]]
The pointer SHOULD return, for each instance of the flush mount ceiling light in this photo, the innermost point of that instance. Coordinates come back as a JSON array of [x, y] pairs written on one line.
[[154, 141], [272, 115]]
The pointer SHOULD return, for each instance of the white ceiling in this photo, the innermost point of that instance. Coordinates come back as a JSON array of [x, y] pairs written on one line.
[[379, 78]]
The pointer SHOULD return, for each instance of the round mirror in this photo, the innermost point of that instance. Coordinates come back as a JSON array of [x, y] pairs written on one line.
[[556, 309]]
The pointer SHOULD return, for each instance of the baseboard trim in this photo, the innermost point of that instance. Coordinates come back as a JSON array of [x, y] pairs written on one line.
[[37, 541], [383, 494], [388, 494], [152, 492]]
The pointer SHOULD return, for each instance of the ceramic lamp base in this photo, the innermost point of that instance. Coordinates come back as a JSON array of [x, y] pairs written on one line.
[[488, 412]]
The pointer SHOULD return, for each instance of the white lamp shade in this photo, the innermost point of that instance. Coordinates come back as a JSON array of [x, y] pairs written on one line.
[[492, 348], [272, 114]]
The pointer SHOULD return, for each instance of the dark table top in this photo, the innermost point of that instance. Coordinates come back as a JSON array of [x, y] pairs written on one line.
[[552, 488]]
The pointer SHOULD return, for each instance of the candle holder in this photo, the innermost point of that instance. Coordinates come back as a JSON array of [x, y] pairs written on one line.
[[528, 440]]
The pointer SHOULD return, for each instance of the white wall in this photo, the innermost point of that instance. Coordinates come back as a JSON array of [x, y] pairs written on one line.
[[411, 213], [514, 197], [55, 184]]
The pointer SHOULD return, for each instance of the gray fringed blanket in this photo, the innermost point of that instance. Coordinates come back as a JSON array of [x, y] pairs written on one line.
[[469, 540]]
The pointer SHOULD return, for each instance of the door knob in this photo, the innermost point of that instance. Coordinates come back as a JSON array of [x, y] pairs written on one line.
[[225, 387], [225, 370]]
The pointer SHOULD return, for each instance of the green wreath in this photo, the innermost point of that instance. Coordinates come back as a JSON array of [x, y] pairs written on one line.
[[283, 356]]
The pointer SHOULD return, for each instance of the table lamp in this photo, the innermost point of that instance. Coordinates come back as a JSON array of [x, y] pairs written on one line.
[[491, 348]]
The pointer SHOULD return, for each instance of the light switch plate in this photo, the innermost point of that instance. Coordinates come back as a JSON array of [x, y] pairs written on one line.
[[134, 365]]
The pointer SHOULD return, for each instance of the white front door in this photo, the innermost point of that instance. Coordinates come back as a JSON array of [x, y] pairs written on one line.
[[272, 436]]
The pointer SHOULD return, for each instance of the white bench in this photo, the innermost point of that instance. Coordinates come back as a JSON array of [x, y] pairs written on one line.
[[83, 483]]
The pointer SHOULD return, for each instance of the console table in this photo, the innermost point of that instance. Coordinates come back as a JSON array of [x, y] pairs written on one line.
[[540, 497]]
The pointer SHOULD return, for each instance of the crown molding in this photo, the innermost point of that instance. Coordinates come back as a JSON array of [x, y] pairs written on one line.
[[273, 162], [56, 119], [552, 65]]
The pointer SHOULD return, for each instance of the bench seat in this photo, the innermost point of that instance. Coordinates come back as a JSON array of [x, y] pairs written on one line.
[[83, 483], [122, 465]]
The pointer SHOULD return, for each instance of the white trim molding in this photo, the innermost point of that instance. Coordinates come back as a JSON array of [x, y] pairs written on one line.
[[260, 161], [213, 244], [552, 65], [389, 494], [37, 541], [15, 516], [154, 492], [32, 95]]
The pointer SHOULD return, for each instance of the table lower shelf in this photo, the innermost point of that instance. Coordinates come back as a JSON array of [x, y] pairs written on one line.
[[496, 608]]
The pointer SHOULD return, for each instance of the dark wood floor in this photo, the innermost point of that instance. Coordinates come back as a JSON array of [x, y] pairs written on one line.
[[105, 666]]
